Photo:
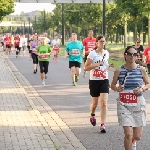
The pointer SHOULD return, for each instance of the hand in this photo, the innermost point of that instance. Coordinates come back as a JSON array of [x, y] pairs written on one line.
[[67, 56], [99, 64], [120, 88], [137, 90], [111, 65]]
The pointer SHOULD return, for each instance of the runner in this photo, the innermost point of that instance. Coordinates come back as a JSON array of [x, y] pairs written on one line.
[[89, 44], [7, 41], [97, 64], [75, 52], [131, 111], [43, 52], [56, 44], [140, 50], [16, 44], [147, 55], [33, 46], [23, 43]]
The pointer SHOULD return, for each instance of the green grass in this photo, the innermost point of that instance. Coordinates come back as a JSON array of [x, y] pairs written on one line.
[[117, 63]]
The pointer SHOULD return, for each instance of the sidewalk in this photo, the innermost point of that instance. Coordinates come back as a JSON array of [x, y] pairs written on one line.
[[24, 125]]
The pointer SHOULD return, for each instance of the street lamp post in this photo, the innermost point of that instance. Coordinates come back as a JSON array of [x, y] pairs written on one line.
[[104, 18], [63, 25]]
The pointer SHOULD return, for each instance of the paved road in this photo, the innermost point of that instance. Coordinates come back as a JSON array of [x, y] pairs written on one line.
[[72, 105]]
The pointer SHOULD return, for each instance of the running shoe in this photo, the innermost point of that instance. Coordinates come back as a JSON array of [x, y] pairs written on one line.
[[76, 78], [102, 128], [74, 83], [134, 145], [43, 82], [93, 120], [34, 71]]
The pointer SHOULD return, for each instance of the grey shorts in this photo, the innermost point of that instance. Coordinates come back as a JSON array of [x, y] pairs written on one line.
[[134, 116]]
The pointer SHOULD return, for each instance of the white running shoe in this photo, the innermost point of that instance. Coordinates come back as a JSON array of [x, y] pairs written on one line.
[[134, 145], [43, 82]]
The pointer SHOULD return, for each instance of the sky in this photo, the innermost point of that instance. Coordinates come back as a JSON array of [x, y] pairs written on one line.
[[28, 7]]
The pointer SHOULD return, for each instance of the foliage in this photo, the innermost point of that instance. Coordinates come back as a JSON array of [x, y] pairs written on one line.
[[6, 7]]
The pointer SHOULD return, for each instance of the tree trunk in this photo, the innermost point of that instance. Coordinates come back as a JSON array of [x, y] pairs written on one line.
[[135, 29], [149, 29], [125, 33]]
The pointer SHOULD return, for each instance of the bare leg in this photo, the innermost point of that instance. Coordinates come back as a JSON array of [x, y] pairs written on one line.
[[128, 131], [103, 104]]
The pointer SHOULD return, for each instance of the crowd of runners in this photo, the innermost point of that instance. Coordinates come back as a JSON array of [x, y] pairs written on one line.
[[127, 81]]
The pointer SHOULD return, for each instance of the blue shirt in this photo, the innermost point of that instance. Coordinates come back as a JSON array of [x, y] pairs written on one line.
[[74, 50]]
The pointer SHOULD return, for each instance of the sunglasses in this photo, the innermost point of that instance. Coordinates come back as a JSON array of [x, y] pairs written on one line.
[[131, 54], [137, 42]]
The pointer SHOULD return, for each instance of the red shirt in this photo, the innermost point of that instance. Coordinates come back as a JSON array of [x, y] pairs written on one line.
[[147, 54], [16, 41], [89, 44], [7, 40]]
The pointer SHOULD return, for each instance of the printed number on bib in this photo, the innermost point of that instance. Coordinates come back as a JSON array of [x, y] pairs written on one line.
[[75, 52], [128, 99], [99, 74], [43, 56]]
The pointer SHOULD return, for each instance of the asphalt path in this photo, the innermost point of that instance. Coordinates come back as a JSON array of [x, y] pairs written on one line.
[[72, 103]]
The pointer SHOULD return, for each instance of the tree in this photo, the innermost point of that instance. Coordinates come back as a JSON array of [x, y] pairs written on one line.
[[6, 8]]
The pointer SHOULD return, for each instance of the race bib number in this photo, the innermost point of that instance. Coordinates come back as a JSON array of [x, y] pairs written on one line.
[[56, 48], [99, 74], [43, 56], [128, 99], [75, 52]]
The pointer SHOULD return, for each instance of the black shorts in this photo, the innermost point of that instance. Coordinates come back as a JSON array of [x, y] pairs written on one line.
[[98, 86], [74, 64], [85, 58], [8, 46], [17, 47], [43, 66]]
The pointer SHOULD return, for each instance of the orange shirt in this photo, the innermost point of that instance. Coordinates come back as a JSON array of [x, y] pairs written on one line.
[[147, 54], [89, 44]]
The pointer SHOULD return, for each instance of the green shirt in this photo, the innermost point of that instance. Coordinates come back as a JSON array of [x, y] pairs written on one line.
[[43, 49]]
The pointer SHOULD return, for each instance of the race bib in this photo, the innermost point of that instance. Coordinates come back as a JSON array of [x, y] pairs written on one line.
[[56, 48], [128, 98], [75, 52], [43, 56], [99, 74], [34, 50]]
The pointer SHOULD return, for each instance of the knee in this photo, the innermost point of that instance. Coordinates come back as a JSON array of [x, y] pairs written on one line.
[[72, 71], [129, 135], [104, 103], [137, 137], [94, 105]]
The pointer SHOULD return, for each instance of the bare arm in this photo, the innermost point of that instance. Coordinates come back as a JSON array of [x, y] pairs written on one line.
[[115, 79]]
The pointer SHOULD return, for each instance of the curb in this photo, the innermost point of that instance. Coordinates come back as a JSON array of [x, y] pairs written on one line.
[[61, 135]]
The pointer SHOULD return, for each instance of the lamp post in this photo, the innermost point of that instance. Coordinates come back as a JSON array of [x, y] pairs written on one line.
[[63, 26], [104, 18]]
